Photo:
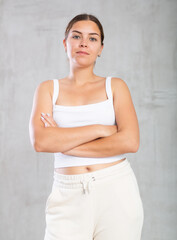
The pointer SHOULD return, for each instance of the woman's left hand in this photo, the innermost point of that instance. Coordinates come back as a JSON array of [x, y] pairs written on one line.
[[48, 121]]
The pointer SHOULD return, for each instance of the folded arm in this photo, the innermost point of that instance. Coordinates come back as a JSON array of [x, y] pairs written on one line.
[[87, 141], [126, 140], [113, 145], [55, 138]]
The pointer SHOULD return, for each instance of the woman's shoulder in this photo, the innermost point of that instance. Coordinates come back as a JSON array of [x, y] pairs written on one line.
[[45, 86], [46, 83], [117, 80], [118, 84]]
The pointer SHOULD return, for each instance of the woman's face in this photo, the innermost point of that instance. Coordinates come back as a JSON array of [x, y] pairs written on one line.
[[83, 44]]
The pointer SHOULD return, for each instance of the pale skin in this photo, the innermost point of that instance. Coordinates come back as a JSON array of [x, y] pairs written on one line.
[[82, 87]]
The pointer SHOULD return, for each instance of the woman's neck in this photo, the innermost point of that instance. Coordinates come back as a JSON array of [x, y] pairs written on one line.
[[81, 76]]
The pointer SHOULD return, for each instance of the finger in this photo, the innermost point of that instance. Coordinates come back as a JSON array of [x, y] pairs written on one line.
[[46, 124], [49, 119]]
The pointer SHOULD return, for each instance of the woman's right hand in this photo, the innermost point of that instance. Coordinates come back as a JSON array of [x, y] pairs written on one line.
[[108, 130]]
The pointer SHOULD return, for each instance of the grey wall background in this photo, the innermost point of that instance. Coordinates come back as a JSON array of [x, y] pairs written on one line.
[[141, 48]]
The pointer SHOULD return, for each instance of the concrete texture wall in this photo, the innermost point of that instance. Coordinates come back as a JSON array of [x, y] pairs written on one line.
[[141, 48]]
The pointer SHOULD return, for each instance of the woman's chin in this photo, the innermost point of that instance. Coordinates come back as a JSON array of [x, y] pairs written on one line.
[[82, 64]]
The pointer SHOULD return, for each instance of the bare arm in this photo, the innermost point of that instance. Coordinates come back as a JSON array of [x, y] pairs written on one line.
[[103, 147], [55, 139], [126, 140]]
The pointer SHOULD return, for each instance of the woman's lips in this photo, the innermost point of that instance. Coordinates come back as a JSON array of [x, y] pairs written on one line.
[[81, 52]]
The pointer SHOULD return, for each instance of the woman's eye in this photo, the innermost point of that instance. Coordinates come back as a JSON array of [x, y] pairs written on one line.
[[76, 37], [93, 39]]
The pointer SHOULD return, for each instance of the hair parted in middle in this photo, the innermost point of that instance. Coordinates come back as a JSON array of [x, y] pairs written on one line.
[[85, 17]]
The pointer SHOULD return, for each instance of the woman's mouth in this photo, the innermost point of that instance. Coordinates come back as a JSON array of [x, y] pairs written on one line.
[[83, 53]]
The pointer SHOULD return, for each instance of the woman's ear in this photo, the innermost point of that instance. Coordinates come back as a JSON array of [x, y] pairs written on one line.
[[101, 49], [64, 44]]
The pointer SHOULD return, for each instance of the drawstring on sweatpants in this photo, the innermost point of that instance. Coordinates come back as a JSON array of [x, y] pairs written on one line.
[[86, 184]]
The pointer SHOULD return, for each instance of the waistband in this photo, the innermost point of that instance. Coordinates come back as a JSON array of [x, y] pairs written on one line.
[[84, 180]]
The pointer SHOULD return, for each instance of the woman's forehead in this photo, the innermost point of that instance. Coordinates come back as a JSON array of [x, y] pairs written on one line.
[[85, 26]]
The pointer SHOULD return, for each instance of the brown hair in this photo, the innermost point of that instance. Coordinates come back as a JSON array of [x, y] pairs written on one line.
[[82, 17]]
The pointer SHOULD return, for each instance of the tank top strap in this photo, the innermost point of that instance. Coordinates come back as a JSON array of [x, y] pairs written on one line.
[[55, 90], [108, 88]]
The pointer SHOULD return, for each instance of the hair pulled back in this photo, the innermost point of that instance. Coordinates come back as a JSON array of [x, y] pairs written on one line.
[[86, 17]]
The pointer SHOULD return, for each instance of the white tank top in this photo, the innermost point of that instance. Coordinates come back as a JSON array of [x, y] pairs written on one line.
[[82, 115]]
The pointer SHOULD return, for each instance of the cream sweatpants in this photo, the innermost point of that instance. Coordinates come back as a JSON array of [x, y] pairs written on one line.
[[100, 205]]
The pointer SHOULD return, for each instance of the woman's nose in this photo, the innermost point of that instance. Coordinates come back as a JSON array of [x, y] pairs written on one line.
[[83, 43]]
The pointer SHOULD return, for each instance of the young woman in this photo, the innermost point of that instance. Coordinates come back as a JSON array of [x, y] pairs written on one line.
[[89, 123]]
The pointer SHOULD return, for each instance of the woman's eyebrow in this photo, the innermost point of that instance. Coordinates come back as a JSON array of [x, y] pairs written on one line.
[[89, 33]]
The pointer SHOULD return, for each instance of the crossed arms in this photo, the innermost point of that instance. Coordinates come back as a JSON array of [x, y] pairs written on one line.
[[87, 141]]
